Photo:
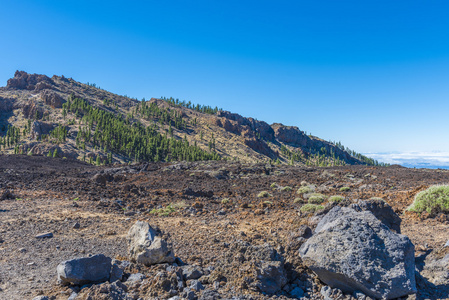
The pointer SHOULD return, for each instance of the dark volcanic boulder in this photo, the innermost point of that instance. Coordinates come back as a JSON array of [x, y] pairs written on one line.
[[354, 251], [94, 269]]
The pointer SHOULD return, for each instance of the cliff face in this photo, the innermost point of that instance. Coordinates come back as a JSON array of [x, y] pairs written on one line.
[[257, 133], [30, 98]]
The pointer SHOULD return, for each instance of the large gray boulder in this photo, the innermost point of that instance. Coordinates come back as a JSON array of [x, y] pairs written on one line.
[[145, 247], [354, 251], [79, 271]]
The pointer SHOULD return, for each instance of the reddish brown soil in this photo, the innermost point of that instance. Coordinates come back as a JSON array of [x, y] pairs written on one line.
[[203, 227]]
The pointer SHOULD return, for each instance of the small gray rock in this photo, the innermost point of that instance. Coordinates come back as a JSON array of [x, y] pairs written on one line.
[[196, 285], [72, 296], [188, 294], [191, 272], [41, 298], [44, 235], [136, 277], [116, 273], [76, 225]]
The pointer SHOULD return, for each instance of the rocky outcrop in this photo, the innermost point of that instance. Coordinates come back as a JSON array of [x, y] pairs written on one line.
[[39, 128], [6, 105], [235, 123], [22, 80], [53, 99], [260, 147], [354, 251], [31, 110], [291, 135], [145, 247]]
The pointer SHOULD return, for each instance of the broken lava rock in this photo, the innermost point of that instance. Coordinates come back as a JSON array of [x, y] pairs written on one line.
[[354, 251], [147, 248], [94, 269]]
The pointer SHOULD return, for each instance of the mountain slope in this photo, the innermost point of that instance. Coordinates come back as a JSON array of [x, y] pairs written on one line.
[[41, 115]]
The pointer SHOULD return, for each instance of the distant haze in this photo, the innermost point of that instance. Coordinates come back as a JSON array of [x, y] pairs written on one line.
[[431, 160]]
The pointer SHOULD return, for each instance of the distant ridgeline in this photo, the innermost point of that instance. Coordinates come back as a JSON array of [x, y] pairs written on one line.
[[60, 117]]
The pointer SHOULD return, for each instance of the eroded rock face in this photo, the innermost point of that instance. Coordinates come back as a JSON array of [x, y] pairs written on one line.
[[53, 99], [22, 80], [147, 248], [354, 251], [94, 269], [39, 128], [291, 135]]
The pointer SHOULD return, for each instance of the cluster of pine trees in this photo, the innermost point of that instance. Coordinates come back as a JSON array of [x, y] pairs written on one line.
[[114, 133], [359, 156], [317, 158], [164, 116], [200, 108], [11, 138]]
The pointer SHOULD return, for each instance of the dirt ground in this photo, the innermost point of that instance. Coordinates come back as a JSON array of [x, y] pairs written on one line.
[[214, 205]]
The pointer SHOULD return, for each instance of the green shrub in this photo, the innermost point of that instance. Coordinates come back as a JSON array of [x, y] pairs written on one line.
[[305, 189], [263, 194], [344, 189], [268, 202], [286, 188], [311, 208], [432, 200], [164, 211], [316, 198], [225, 201], [298, 200], [336, 198], [273, 185]]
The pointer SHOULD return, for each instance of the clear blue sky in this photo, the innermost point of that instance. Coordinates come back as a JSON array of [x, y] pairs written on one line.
[[371, 74]]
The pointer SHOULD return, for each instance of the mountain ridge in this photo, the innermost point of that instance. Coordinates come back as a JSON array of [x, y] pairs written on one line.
[[34, 106]]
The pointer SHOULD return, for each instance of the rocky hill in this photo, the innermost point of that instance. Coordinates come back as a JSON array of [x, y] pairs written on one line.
[[61, 117]]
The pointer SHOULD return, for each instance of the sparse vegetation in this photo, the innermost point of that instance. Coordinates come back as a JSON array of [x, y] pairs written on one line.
[[274, 185], [263, 194], [316, 198], [298, 200], [336, 198], [286, 188], [305, 189], [311, 208], [344, 189], [433, 200], [225, 201], [163, 211]]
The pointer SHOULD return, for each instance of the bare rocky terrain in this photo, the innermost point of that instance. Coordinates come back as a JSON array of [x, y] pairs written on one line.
[[212, 216]]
